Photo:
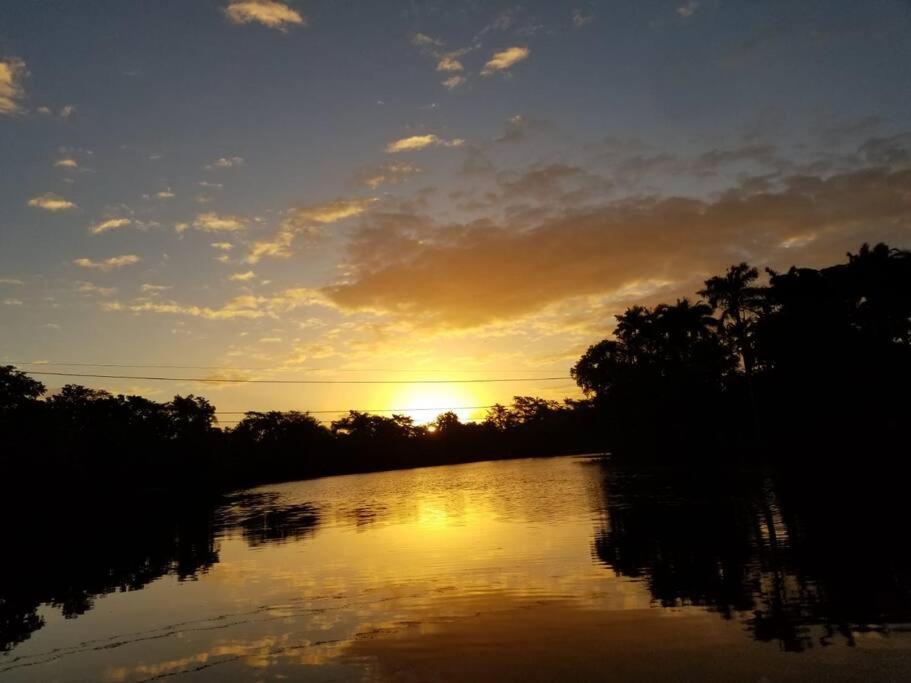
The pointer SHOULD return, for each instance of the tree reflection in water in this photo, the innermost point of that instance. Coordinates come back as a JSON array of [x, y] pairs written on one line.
[[811, 560]]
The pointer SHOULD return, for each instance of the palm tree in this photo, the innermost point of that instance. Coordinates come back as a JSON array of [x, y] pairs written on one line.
[[739, 302]]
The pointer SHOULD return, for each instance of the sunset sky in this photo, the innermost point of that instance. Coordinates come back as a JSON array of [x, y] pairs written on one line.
[[367, 190]]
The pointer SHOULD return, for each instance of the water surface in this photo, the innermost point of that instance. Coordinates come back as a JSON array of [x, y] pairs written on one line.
[[544, 569]]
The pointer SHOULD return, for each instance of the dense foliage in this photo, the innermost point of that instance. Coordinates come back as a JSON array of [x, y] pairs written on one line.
[[814, 359]]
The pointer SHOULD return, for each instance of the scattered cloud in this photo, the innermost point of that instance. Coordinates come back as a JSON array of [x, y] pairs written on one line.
[[213, 222], [222, 246], [66, 163], [581, 18], [505, 60], [688, 8], [109, 263], [10, 281], [67, 111], [423, 40], [165, 194], [12, 92], [453, 82], [269, 13], [154, 289], [306, 220], [386, 174], [242, 277], [449, 63], [416, 142], [517, 128], [109, 224], [241, 307], [51, 202], [13, 302], [90, 288], [225, 162]]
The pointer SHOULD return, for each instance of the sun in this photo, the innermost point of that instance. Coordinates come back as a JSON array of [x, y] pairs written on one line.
[[425, 402]]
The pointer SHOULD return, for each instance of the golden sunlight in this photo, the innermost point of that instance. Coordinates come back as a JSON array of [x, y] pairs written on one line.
[[426, 402]]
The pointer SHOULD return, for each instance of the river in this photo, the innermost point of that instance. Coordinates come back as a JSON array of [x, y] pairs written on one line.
[[546, 569]]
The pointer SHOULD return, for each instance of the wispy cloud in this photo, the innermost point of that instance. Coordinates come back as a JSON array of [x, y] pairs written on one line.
[[416, 142], [244, 307], [10, 281], [581, 18], [384, 174], [453, 82], [222, 246], [688, 8], [66, 163], [51, 202], [109, 224], [109, 263], [505, 60], [242, 277], [423, 40], [213, 222], [93, 289], [306, 220], [269, 13], [449, 63], [225, 162], [12, 92]]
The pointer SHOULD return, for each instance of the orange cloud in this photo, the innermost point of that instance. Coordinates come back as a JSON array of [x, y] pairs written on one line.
[[481, 272]]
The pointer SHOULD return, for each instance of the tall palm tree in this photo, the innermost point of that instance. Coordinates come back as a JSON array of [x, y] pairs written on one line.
[[739, 301]]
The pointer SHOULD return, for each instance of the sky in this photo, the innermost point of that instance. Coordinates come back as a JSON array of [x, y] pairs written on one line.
[[405, 190]]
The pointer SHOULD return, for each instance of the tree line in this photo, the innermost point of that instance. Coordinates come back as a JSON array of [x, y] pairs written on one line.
[[810, 361]]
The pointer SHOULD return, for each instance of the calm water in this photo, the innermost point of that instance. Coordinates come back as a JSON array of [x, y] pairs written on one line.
[[549, 569]]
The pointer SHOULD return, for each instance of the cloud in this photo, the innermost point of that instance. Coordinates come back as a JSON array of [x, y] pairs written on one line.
[[505, 59], [581, 18], [213, 222], [453, 82], [449, 63], [485, 271], [109, 224], [688, 8], [66, 163], [243, 307], [154, 289], [165, 194], [67, 111], [107, 264], [10, 281], [416, 142], [222, 246], [51, 202], [306, 220], [269, 13], [386, 174], [12, 92], [242, 277], [90, 288], [423, 40], [225, 162], [518, 127], [13, 302]]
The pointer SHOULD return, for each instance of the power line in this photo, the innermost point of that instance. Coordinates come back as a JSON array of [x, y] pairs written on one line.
[[483, 380], [362, 410], [258, 368]]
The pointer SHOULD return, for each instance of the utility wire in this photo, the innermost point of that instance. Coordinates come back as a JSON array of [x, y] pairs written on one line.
[[483, 380], [258, 368], [363, 410]]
